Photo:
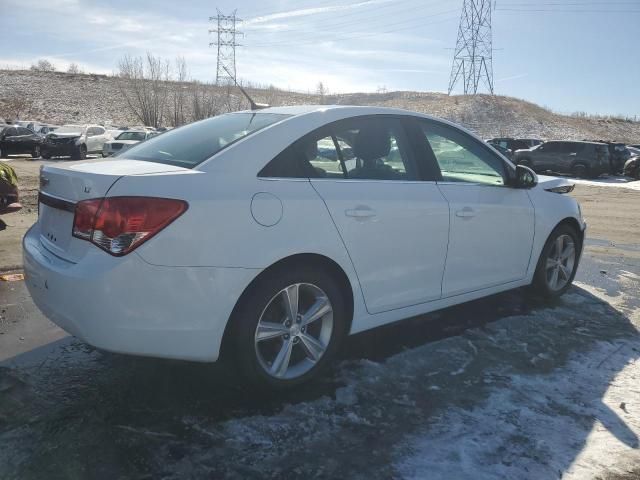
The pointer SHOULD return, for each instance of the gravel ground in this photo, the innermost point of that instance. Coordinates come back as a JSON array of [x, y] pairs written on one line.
[[505, 387]]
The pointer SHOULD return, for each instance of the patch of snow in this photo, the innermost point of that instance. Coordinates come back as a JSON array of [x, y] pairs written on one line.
[[619, 182], [556, 411]]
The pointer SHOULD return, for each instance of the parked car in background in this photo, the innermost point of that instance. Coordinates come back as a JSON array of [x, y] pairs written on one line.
[[30, 124], [503, 150], [44, 129], [632, 165], [16, 140], [514, 144], [234, 235], [125, 140], [618, 155], [74, 141], [581, 159], [8, 189]]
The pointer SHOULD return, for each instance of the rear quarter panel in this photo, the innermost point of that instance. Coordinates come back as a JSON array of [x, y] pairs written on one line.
[[219, 229]]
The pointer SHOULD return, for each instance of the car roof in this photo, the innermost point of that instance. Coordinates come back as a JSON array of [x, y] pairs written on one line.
[[345, 110], [576, 141]]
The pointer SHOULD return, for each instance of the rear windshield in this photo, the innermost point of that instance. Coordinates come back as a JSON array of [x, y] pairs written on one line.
[[194, 143], [139, 136]]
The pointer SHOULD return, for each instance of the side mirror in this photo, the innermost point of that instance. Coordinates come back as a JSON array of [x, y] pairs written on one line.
[[525, 177]]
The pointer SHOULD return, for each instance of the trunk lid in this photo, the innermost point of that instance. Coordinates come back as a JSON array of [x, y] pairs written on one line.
[[63, 185]]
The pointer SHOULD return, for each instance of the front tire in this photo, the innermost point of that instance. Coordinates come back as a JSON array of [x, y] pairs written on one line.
[[558, 262], [36, 152], [80, 154], [288, 327]]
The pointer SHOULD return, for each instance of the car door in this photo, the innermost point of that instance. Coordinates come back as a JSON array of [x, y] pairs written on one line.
[[10, 141], [92, 139], [26, 140], [393, 222], [491, 224], [100, 136], [548, 156]]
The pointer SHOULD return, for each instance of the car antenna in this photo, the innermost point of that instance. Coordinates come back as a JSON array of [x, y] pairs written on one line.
[[254, 105]]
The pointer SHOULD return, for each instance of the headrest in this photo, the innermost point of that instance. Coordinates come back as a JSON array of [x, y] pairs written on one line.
[[372, 142], [310, 150]]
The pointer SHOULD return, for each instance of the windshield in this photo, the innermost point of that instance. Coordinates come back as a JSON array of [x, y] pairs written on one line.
[[194, 143], [70, 129], [139, 136]]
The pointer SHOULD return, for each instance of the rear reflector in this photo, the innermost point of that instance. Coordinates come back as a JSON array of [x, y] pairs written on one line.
[[118, 225]]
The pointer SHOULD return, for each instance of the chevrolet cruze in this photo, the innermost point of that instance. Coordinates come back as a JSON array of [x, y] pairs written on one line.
[[268, 236]]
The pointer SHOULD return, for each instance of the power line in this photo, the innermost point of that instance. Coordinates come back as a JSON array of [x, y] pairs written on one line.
[[399, 26], [226, 43], [360, 18], [473, 56]]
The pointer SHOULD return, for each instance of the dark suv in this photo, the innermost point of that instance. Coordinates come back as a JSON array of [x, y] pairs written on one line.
[[581, 159]]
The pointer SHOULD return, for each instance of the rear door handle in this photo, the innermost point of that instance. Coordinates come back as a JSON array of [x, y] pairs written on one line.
[[466, 212], [360, 212]]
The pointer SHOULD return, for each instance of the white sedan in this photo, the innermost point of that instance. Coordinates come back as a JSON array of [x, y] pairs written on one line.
[[270, 235], [124, 140]]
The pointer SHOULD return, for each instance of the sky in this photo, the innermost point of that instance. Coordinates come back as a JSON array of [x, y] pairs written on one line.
[[567, 55]]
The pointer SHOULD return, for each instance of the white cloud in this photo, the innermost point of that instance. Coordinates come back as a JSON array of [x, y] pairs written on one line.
[[312, 11]]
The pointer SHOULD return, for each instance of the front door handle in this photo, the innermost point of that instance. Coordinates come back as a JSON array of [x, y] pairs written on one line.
[[360, 212], [466, 212]]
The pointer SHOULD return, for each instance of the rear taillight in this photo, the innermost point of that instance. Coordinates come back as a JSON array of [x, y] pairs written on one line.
[[118, 225]]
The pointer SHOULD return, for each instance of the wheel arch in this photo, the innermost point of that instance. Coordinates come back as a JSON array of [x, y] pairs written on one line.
[[573, 223], [321, 261]]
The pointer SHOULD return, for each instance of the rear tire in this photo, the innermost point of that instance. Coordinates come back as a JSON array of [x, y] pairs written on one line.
[[45, 155], [262, 332], [558, 262]]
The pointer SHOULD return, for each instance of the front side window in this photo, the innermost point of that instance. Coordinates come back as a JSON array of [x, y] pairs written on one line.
[[24, 131], [192, 144], [463, 159], [364, 148]]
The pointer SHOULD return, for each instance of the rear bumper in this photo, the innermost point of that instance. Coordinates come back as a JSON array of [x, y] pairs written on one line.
[[126, 305]]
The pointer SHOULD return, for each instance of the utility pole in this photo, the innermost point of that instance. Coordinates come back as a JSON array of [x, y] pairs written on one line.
[[473, 57], [226, 43]]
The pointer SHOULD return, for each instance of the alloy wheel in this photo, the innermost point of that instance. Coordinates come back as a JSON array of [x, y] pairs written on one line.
[[294, 331], [560, 262]]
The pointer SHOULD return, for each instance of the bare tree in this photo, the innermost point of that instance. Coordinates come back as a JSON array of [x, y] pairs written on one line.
[[74, 68], [205, 102], [143, 83], [43, 65], [178, 93], [322, 92], [16, 104]]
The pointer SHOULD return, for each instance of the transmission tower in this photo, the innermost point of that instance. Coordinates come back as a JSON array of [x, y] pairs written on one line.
[[226, 42], [473, 57]]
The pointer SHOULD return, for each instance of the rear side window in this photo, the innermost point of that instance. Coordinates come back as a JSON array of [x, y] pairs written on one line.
[[24, 131], [363, 148], [194, 143]]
